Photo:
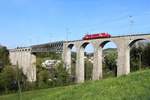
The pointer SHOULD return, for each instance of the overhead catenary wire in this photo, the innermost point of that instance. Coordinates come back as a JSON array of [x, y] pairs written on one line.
[[67, 34], [119, 19]]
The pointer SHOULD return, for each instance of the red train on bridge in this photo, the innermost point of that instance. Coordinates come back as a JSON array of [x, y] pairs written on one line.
[[96, 36]]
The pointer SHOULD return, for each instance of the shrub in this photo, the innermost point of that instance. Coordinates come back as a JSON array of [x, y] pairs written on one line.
[[43, 77], [9, 77]]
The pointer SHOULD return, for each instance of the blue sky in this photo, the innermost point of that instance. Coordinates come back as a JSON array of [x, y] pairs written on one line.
[[26, 22]]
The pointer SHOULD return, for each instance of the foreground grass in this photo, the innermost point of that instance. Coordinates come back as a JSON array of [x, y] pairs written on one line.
[[135, 86]]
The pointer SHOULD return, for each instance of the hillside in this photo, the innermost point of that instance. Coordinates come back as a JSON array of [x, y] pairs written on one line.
[[109, 50], [135, 86], [105, 51]]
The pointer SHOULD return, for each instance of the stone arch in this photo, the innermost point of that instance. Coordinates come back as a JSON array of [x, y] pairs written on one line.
[[85, 44], [68, 57], [73, 51], [103, 43], [113, 71], [136, 54], [70, 46], [134, 41]]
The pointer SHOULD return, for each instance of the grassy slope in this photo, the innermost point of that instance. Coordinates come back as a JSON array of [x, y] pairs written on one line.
[[135, 86]]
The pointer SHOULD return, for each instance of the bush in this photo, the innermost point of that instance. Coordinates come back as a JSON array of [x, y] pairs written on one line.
[[110, 66], [57, 76], [9, 77], [4, 57], [61, 75], [88, 69], [43, 77]]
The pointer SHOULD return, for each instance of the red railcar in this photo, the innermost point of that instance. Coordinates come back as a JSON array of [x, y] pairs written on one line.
[[96, 36]]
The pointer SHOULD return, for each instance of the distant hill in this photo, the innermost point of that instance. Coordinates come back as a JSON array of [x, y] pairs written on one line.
[[105, 51], [109, 50]]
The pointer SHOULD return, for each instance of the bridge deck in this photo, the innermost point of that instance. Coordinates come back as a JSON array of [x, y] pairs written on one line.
[[114, 37]]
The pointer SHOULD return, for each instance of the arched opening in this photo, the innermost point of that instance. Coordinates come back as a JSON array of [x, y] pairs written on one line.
[[88, 60], [73, 63], [109, 59], [69, 57], [139, 54]]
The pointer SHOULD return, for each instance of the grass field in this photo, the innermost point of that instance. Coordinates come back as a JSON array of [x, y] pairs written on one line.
[[135, 86]]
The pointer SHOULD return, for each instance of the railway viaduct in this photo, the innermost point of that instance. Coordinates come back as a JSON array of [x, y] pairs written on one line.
[[26, 57], [123, 44]]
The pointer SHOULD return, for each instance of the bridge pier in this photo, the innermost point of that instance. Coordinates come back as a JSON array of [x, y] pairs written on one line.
[[32, 68], [97, 64], [123, 61], [26, 60], [80, 65], [67, 58]]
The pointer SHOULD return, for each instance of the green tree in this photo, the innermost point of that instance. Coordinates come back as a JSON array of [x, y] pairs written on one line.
[[49, 55], [7, 76], [4, 57], [146, 56], [61, 75], [88, 70], [136, 55], [110, 66], [43, 78]]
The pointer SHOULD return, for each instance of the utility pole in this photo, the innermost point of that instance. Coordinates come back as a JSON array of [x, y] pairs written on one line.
[[51, 37], [131, 24], [67, 34]]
